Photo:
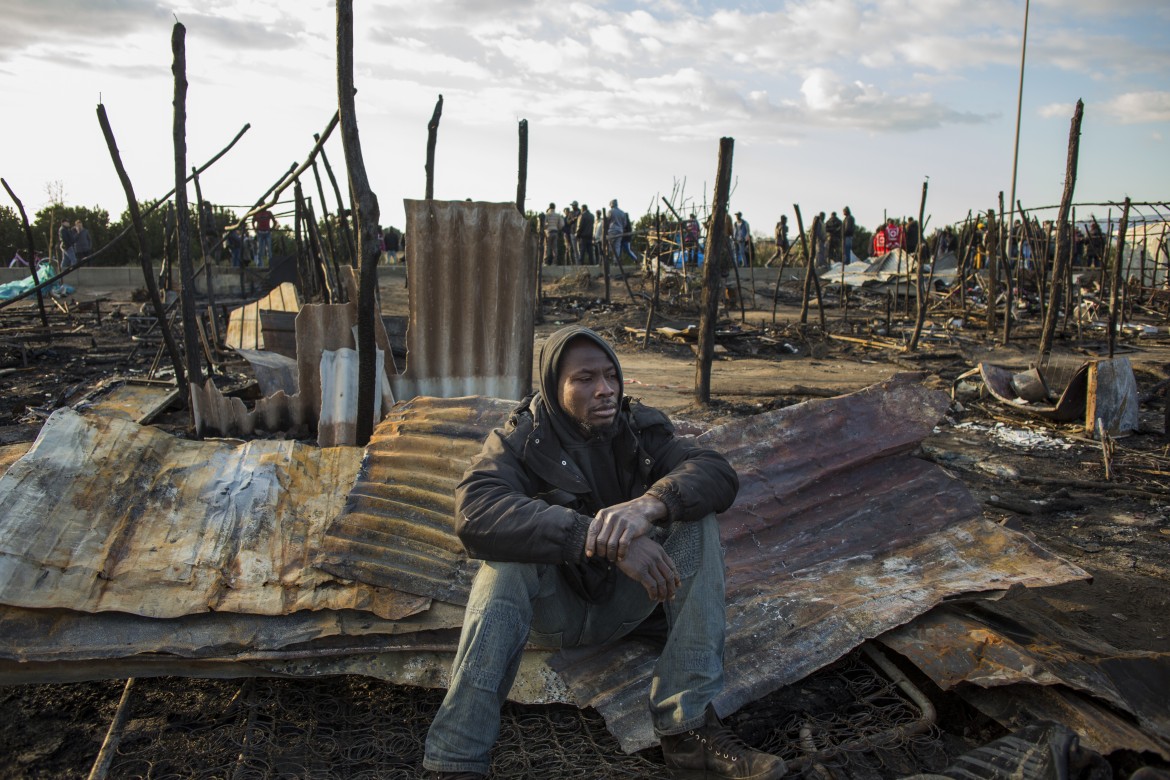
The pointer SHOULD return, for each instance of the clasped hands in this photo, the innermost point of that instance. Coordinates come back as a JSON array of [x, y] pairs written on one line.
[[619, 533]]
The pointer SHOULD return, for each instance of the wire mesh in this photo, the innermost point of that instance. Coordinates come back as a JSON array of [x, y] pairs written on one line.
[[844, 718]]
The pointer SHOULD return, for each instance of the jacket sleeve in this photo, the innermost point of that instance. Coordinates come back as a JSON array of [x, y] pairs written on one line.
[[692, 481], [501, 512]]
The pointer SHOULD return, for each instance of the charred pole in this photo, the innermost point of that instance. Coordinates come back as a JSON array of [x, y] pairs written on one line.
[[32, 254], [1060, 263], [712, 280], [366, 214], [919, 288], [432, 140]]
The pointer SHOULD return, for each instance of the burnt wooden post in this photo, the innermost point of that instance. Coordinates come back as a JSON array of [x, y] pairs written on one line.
[[810, 275], [32, 255], [325, 216], [432, 139], [605, 251], [186, 273], [1115, 287], [208, 267], [366, 219], [1005, 239], [522, 169], [919, 289], [143, 254], [657, 274], [712, 278], [304, 272], [995, 253], [1063, 250], [342, 212], [166, 278]]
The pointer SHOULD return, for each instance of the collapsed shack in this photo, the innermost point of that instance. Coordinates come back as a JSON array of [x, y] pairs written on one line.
[[280, 559]]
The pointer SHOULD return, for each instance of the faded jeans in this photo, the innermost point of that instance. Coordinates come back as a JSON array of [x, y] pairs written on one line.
[[511, 603], [263, 248]]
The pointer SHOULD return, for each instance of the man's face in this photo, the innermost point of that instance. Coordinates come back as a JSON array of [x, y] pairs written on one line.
[[587, 386]]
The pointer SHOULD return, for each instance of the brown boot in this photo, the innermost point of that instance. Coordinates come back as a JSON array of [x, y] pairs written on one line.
[[714, 751]]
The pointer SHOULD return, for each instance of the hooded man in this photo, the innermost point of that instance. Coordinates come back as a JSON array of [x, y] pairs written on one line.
[[591, 516]]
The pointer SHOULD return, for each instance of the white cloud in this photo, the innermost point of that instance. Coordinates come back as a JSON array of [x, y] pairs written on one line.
[[1138, 107]]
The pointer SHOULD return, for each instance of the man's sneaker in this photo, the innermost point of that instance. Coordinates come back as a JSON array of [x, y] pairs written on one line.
[[714, 751]]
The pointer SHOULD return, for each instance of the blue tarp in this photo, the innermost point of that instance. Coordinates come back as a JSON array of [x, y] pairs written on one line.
[[44, 271]]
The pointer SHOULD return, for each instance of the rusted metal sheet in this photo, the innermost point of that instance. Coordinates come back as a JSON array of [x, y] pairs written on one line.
[[472, 295], [273, 371], [396, 529], [339, 391], [139, 400], [837, 535], [244, 330], [103, 514], [1070, 406], [1099, 727], [991, 644]]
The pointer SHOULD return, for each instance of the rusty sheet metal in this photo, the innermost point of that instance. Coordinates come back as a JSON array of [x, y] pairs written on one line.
[[273, 371], [1016, 640], [1099, 727], [57, 635], [139, 400], [244, 329], [472, 300], [1070, 406], [396, 529], [103, 514], [837, 535], [339, 392]]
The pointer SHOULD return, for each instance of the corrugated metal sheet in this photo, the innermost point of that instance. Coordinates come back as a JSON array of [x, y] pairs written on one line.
[[396, 529], [472, 269], [1013, 641], [103, 514], [837, 535]]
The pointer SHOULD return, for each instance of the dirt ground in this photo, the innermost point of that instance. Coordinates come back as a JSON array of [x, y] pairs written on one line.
[[1109, 514]]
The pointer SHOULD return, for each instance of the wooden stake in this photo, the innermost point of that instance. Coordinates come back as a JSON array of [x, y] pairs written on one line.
[[712, 277], [432, 140], [32, 254], [522, 169], [918, 287], [366, 220], [1063, 250], [182, 212], [1115, 287]]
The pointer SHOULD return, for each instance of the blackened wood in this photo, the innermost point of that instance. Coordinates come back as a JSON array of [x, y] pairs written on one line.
[[712, 276], [1063, 244], [605, 251], [366, 215], [522, 172], [1005, 241], [919, 289], [994, 254], [32, 254], [1115, 287], [343, 213], [810, 276], [325, 216], [186, 274], [207, 264], [143, 254], [432, 140], [657, 274], [307, 280]]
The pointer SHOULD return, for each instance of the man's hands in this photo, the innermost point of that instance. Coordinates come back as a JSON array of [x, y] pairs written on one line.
[[615, 527], [618, 533]]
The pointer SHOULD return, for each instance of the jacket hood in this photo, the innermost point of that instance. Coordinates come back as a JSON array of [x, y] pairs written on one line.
[[550, 358]]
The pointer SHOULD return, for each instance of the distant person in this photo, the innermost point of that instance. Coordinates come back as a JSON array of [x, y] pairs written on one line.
[[82, 246], [619, 232], [235, 243], [741, 235], [68, 241], [879, 241], [691, 240], [554, 223], [894, 237], [599, 234], [833, 227], [911, 235], [820, 241], [263, 222], [782, 244], [392, 238], [848, 228], [585, 236], [569, 238]]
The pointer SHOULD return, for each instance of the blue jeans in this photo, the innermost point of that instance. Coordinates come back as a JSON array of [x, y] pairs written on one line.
[[263, 247], [741, 253], [511, 603], [848, 258], [620, 246]]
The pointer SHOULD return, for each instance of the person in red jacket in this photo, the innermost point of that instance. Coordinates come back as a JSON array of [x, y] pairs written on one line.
[[879, 241], [895, 237]]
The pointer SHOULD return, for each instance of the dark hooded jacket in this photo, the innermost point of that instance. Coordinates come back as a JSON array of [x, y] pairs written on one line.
[[531, 493]]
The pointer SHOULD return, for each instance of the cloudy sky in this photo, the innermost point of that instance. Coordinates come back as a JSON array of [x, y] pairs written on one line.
[[830, 102]]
